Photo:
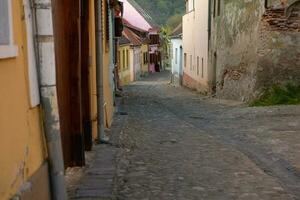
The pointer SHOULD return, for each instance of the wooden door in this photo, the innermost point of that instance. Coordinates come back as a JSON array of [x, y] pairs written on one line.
[[66, 20], [85, 76]]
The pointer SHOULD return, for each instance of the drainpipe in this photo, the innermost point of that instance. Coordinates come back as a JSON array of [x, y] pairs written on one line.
[[48, 92], [99, 71]]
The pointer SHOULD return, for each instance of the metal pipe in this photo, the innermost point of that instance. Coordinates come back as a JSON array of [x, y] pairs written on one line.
[[48, 92], [99, 71]]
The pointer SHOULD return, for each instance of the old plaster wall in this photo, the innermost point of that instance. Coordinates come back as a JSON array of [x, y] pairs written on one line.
[[195, 43], [234, 43], [248, 52], [22, 145], [279, 47], [107, 73]]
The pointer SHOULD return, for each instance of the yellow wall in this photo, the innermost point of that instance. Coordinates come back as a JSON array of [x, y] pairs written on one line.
[[144, 49], [108, 95], [124, 70], [22, 147]]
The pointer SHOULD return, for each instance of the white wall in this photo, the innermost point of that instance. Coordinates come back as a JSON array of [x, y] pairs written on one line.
[[195, 42], [176, 44]]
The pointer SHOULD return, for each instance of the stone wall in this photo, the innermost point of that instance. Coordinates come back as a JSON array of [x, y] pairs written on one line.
[[279, 47], [253, 48]]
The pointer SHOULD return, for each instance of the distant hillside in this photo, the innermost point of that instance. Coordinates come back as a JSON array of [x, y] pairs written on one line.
[[164, 11]]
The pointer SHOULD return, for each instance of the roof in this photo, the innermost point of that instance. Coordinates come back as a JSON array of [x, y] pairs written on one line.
[[134, 14], [177, 31], [142, 34], [146, 15], [123, 40], [129, 37], [129, 25]]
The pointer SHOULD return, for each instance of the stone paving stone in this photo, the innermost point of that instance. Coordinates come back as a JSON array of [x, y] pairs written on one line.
[[175, 144]]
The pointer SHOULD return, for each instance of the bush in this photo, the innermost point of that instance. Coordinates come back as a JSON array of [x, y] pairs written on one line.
[[279, 95]]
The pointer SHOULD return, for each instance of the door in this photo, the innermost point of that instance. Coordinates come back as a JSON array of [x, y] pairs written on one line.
[[214, 74], [85, 76], [180, 65], [66, 20]]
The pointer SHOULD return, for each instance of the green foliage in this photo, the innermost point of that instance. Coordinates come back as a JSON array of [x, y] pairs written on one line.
[[288, 95], [174, 20], [162, 10]]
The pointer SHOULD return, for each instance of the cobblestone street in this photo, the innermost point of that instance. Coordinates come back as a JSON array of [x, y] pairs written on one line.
[[175, 144]]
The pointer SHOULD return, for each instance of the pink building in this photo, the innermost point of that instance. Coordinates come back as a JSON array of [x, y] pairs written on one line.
[[136, 16]]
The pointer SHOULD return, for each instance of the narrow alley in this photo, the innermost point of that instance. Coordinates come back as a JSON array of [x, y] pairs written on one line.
[[172, 143], [150, 100]]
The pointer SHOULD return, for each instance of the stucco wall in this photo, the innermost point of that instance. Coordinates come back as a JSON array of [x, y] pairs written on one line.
[[22, 147], [124, 72], [136, 53], [108, 90], [195, 45], [145, 66], [246, 55], [177, 64]]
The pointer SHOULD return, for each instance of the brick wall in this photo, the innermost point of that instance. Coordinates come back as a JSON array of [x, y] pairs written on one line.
[[193, 84]]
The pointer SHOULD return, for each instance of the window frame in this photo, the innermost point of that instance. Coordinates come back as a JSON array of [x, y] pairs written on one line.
[[176, 56], [127, 59], [9, 50], [202, 67], [123, 59], [185, 60], [191, 62], [198, 65]]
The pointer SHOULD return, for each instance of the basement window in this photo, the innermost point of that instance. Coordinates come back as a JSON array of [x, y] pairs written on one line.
[[7, 49], [185, 60], [191, 62]]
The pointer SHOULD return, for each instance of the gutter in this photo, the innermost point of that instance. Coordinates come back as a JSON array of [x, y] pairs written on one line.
[[99, 72], [48, 92]]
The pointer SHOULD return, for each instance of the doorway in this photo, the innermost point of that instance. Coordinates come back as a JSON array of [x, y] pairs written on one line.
[[180, 65]]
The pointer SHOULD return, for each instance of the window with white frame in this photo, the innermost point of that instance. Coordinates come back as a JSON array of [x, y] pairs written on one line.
[[191, 62], [176, 55], [190, 5], [7, 49], [198, 65]]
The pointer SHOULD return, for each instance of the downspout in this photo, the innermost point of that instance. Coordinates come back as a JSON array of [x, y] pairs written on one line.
[[99, 72], [48, 92]]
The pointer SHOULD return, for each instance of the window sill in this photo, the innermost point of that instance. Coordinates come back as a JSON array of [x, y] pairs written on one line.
[[8, 51]]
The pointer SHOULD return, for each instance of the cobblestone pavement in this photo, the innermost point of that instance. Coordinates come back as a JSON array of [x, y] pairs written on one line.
[[175, 144], [179, 145]]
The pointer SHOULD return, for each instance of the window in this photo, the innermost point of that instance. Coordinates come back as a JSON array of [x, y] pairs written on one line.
[[154, 39], [202, 74], [119, 59], [7, 49], [123, 60], [184, 59], [191, 62], [127, 59], [145, 58], [219, 7], [198, 65], [214, 7], [176, 55], [190, 4]]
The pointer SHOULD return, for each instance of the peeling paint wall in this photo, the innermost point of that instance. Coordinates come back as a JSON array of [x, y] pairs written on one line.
[[22, 146], [107, 73], [246, 55], [125, 71]]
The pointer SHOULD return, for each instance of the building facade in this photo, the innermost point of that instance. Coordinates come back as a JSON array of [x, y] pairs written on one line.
[[65, 62], [23, 152], [124, 61], [136, 16], [176, 55], [195, 46], [253, 46]]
